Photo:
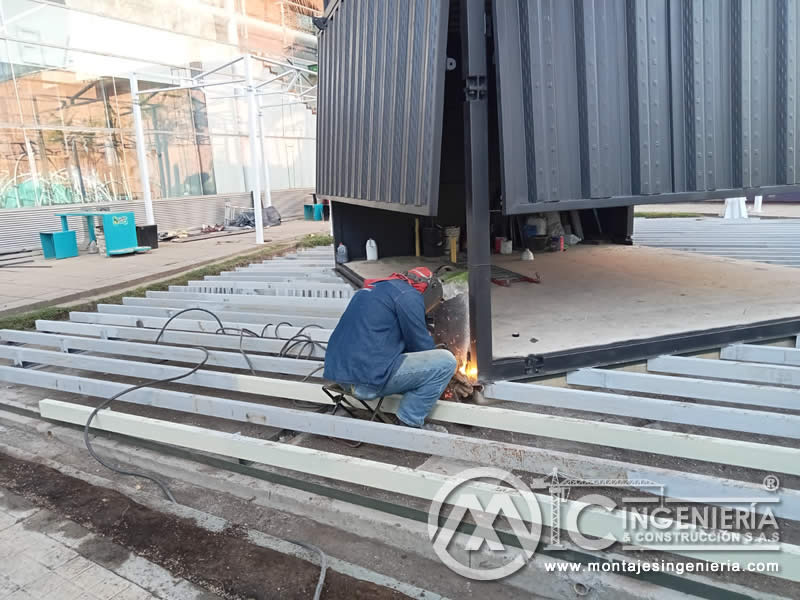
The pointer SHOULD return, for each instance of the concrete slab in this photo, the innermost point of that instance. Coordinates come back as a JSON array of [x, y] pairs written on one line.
[[593, 295], [88, 275]]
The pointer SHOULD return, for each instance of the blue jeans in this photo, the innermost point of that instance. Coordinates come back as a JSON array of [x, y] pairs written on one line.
[[421, 378]]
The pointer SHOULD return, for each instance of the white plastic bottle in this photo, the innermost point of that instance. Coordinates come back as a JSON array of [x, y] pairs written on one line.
[[372, 250], [341, 254]]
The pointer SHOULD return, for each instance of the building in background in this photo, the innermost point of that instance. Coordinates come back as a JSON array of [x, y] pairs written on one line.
[[66, 124]]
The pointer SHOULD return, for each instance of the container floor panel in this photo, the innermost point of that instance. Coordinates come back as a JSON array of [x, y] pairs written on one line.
[[595, 295]]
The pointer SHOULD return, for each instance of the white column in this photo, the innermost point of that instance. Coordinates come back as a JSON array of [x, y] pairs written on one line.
[[735, 208], [252, 114], [141, 153], [265, 161]]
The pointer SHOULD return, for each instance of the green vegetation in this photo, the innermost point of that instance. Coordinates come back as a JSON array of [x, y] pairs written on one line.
[[667, 215], [53, 313], [313, 240]]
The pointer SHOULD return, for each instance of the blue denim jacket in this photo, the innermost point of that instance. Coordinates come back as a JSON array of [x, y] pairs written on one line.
[[378, 326]]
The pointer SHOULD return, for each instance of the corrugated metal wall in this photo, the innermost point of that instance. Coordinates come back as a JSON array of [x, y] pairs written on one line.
[[630, 97], [380, 98], [19, 228]]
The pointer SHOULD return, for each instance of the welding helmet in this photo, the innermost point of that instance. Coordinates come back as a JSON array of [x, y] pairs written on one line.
[[429, 285]]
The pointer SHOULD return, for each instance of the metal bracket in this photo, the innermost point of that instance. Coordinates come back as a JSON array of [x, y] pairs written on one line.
[[475, 88], [533, 363]]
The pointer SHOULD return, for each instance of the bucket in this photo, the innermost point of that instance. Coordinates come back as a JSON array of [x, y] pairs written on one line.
[[432, 242], [449, 233]]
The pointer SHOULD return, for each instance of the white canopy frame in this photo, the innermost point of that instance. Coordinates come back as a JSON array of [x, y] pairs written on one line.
[[295, 80]]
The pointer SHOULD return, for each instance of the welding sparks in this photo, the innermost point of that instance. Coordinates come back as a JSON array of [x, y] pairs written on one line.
[[469, 371]]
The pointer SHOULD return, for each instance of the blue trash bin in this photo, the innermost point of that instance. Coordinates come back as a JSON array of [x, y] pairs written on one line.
[[319, 212], [308, 212]]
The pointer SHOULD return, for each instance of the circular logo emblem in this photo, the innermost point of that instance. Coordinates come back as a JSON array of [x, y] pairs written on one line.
[[477, 492]]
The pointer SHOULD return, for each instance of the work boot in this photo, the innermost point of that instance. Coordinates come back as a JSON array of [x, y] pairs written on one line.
[[434, 427], [425, 426]]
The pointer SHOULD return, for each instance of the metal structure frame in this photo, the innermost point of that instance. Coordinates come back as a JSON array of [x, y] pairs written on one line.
[[390, 478], [102, 350], [536, 365], [245, 86], [667, 443], [625, 78], [476, 154]]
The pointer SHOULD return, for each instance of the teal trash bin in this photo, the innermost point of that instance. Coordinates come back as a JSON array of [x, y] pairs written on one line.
[[308, 212], [59, 244], [319, 212]]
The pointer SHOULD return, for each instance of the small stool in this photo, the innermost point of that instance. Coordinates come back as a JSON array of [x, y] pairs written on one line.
[[59, 244], [349, 402]]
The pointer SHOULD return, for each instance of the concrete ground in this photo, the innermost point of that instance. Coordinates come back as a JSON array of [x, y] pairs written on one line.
[[592, 295], [717, 208], [86, 276], [46, 557]]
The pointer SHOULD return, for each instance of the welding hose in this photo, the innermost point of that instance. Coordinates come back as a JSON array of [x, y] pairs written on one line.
[[163, 486], [323, 565], [222, 329], [107, 403]]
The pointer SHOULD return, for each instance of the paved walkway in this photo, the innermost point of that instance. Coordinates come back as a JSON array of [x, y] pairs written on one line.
[[45, 557], [91, 275]]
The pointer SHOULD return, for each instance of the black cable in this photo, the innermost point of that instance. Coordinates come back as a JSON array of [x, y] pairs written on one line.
[[323, 565], [106, 404], [241, 332], [304, 379], [303, 340], [185, 310], [277, 327], [163, 486]]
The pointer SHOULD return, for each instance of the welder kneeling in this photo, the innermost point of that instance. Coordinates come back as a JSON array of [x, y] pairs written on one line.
[[382, 346]]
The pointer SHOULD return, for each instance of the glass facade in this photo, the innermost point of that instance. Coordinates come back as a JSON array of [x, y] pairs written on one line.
[[66, 112]]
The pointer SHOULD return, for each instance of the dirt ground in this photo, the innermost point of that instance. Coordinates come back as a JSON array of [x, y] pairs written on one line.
[[225, 562]]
